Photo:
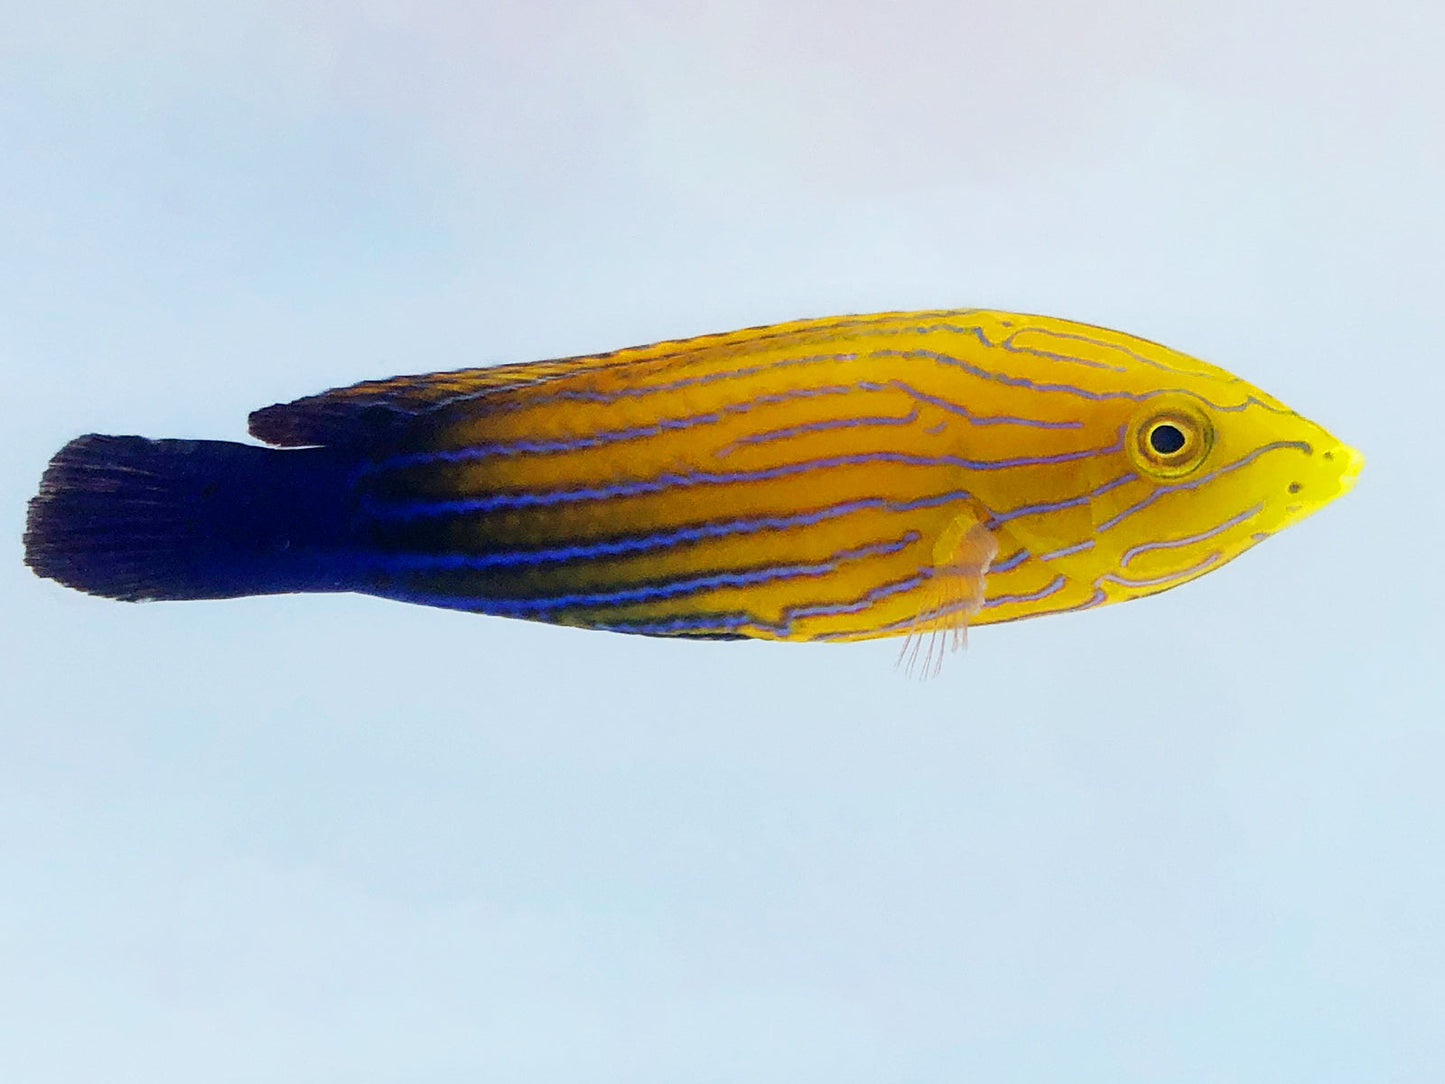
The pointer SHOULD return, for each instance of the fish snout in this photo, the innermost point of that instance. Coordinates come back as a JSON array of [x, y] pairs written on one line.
[[1328, 472], [1349, 461]]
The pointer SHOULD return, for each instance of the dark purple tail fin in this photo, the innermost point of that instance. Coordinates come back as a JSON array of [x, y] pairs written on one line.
[[133, 519]]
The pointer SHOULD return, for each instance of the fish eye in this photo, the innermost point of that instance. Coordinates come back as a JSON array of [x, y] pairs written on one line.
[[1165, 438], [1171, 441]]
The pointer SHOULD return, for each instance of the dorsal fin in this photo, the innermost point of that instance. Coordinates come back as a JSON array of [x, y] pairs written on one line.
[[369, 410], [363, 411]]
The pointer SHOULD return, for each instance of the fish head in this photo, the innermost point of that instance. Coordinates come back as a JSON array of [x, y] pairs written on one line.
[[1188, 465], [1208, 476]]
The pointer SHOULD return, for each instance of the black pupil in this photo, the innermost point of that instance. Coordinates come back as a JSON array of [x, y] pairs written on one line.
[[1166, 439]]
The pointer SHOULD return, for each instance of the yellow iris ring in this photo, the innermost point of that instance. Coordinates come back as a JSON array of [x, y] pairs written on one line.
[[1189, 423]]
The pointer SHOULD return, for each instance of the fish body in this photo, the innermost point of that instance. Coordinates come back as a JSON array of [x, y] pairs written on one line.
[[833, 479]]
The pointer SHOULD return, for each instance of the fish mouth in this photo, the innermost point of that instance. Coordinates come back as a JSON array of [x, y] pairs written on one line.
[[1354, 462], [1330, 472]]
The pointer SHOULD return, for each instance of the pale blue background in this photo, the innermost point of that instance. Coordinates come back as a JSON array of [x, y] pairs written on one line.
[[1197, 838]]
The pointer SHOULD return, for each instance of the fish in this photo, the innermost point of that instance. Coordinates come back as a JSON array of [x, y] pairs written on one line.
[[898, 474]]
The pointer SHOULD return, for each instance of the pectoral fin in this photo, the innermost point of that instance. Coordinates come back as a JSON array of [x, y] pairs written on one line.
[[961, 559]]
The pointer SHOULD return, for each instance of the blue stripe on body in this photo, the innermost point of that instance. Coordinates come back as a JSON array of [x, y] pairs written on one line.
[[1197, 482], [1066, 502], [1077, 547], [1145, 547], [671, 480], [688, 346], [947, 609], [1010, 562], [907, 624], [588, 396], [1011, 381], [662, 589], [682, 626], [787, 432], [1056, 585], [580, 395], [862, 602], [1070, 389], [1098, 598], [600, 437], [1155, 581], [664, 425], [952, 608], [975, 419], [870, 328], [659, 540], [734, 621], [1007, 344]]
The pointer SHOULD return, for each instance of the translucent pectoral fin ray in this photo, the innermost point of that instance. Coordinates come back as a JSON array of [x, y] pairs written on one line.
[[961, 558]]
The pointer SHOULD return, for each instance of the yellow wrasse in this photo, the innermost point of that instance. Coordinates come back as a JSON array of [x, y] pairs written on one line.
[[833, 479]]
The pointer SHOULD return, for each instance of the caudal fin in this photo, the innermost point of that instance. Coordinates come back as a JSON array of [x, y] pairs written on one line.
[[130, 518]]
